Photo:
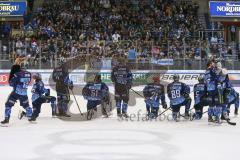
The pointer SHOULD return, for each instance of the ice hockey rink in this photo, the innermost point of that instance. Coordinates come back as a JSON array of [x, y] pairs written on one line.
[[114, 139]]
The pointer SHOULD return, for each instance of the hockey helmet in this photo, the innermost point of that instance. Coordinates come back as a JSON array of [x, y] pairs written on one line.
[[97, 78], [122, 61], [176, 78], [37, 76], [201, 78], [156, 78]]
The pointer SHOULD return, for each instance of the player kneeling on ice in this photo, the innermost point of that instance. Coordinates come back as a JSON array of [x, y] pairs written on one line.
[[41, 95], [227, 95], [178, 93], [153, 92], [200, 97], [19, 80], [96, 93], [232, 97]]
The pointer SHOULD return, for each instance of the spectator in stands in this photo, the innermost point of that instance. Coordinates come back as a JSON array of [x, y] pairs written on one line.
[[19, 47], [67, 28]]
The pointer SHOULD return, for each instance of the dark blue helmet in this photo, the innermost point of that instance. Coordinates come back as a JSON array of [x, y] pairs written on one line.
[[37, 76], [201, 78], [176, 78], [97, 78]]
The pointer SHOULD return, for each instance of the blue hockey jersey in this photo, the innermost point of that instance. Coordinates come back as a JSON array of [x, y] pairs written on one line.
[[176, 92], [121, 74], [154, 92], [95, 91], [38, 90], [200, 91], [20, 82], [210, 79]]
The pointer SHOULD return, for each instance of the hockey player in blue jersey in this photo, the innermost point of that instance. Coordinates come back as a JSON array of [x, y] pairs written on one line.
[[41, 95], [96, 93], [213, 92], [178, 93], [222, 84], [63, 84], [229, 96], [217, 83], [200, 97], [19, 80], [232, 97], [122, 78], [153, 93]]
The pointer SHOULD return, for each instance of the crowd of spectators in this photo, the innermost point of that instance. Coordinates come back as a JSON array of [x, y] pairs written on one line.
[[116, 19], [151, 28]]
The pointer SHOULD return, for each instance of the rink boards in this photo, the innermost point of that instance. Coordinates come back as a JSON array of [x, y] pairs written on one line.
[[79, 77]]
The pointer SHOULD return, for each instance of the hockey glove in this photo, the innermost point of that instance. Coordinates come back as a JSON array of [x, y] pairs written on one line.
[[186, 96], [164, 105], [70, 86], [129, 86], [47, 93]]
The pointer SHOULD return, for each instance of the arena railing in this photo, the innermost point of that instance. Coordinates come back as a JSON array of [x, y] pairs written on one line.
[[180, 51]]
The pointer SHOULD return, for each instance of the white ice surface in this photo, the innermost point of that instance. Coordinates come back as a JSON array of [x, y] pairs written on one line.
[[110, 139]]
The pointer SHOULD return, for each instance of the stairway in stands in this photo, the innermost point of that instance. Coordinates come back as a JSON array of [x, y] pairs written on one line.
[[37, 4], [4, 49], [202, 20]]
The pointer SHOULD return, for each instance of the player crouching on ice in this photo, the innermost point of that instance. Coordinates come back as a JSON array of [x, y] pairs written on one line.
[[232, 98], [96, 93], [153, 92], [19, 80], [200, 98], [40, 95], [178, 94], [228, 95]]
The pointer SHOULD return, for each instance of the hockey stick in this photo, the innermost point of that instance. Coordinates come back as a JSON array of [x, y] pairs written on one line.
[[231, 123], [169, 108], [76, 102], [191, 109], [104, 109], [165, 111], [205, 112], [137, 93], [144, 97], [180, 114]]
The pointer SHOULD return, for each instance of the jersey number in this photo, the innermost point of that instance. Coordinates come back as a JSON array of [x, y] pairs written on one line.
[[25, 82], [175, 94], [94, 93], [197, 93]]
